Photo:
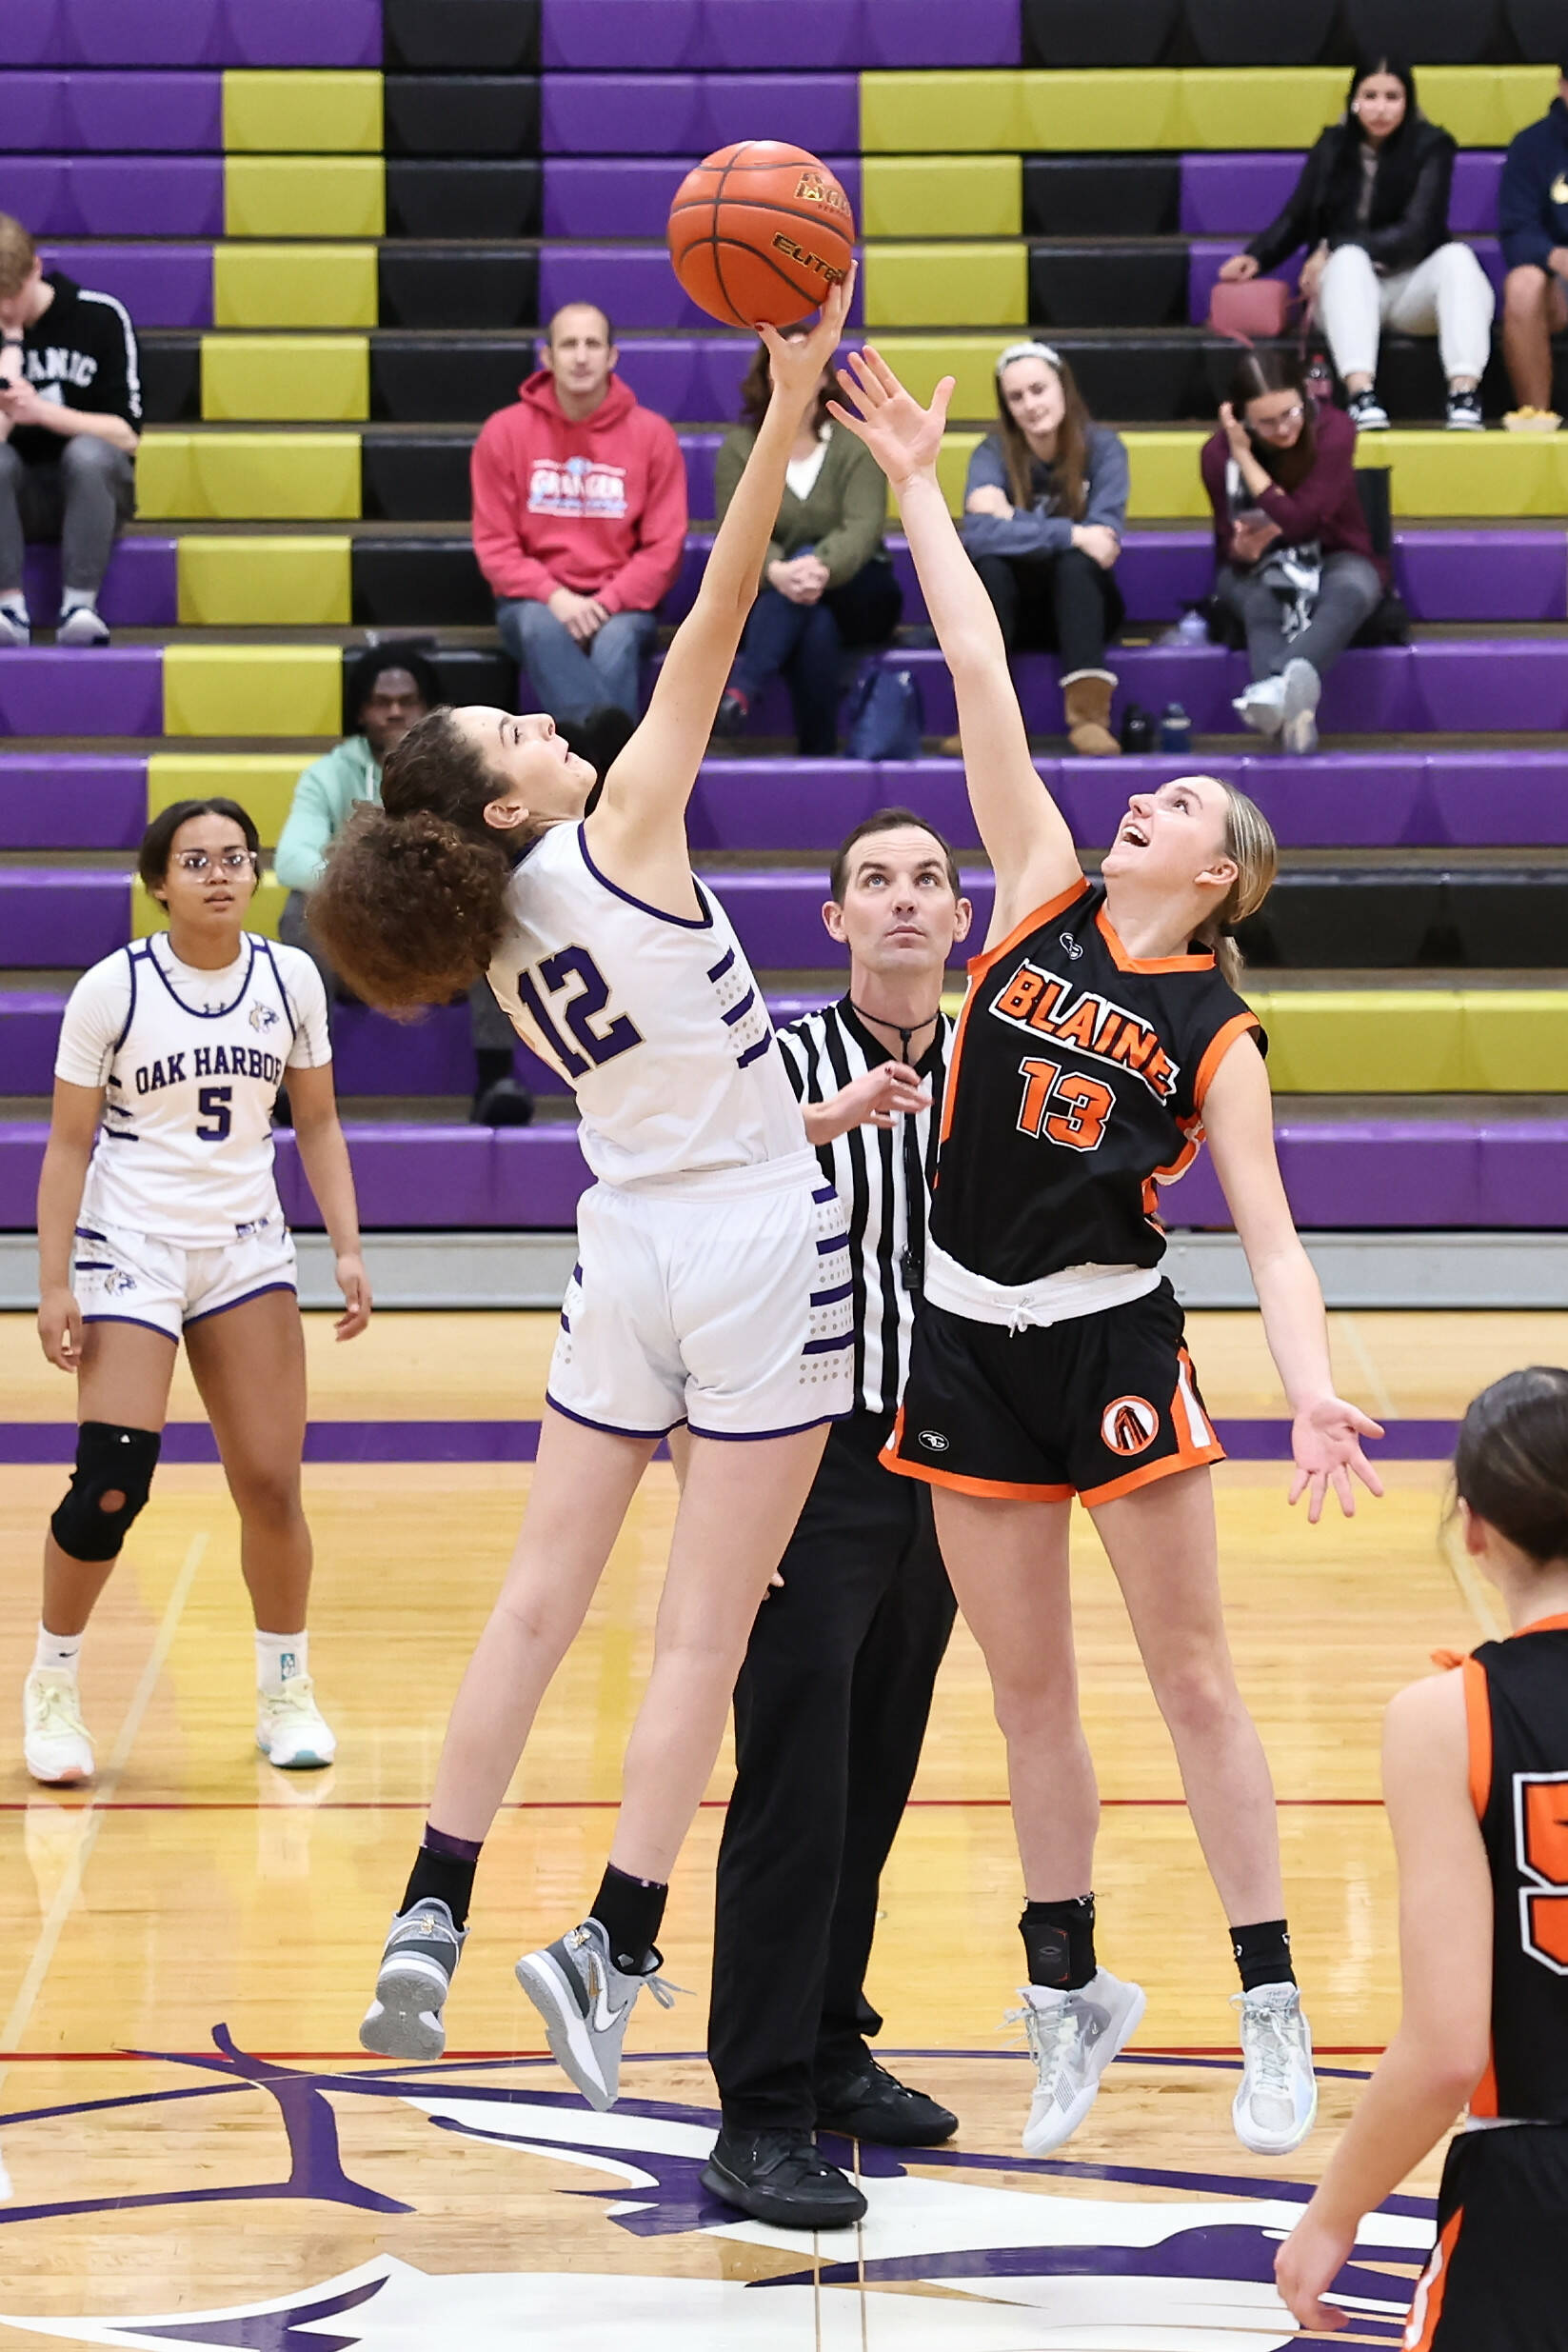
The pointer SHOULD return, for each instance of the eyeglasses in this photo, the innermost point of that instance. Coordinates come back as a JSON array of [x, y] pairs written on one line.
[[1278, 424], [197, 861]]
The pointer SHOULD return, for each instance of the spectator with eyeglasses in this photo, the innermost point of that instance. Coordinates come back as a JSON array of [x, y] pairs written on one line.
[[1297, 570], [1044, 506], [1371, 206]]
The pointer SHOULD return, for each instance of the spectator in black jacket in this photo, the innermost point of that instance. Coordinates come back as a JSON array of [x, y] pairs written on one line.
[[70, 413], [1372, 208], [1533, 222]]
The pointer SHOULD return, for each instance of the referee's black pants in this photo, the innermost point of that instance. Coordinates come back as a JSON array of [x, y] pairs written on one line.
[[830, 1711]]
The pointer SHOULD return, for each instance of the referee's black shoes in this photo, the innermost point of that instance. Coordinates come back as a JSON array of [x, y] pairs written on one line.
[[872, 2105], [779, 2177]]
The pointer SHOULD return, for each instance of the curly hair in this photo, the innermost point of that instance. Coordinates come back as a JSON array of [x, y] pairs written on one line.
[[412, 902]]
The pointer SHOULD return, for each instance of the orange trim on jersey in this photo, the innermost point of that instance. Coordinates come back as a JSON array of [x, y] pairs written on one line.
[[1477, 1726], [989, 1490], [1125, 962], [1020, 932], [1215, 1050], [977, 967], [1433, 2287], [1543, 1625]]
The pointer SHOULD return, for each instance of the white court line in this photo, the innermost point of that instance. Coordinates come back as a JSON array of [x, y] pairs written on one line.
[[92, 1813]]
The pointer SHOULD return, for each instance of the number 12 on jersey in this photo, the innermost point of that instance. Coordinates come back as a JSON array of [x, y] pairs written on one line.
[[1083, 1102], [581, 1011]]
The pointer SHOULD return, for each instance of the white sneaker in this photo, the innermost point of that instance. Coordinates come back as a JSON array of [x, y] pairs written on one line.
[[55, 1741], [1299, 711], [290, 1731], [82, 625], [1277, 2103], [1263, 707], [15, 627], [1073, 2038]]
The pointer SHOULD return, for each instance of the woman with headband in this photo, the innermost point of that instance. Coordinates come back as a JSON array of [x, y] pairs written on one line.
[[1044, 510]]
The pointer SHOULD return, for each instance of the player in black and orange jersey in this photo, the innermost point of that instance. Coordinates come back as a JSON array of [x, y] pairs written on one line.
[[1102, 1034], [1475, 1781]]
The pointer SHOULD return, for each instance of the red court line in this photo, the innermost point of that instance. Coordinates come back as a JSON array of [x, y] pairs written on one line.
[[583, 1804]]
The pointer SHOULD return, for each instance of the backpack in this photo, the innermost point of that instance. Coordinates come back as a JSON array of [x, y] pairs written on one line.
[[885, 717]]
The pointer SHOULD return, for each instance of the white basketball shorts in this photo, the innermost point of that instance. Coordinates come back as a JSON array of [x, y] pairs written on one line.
[[122, 1277], [720, 1300]]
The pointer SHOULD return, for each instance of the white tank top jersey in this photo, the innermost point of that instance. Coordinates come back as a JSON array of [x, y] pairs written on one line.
[[654, 1021], [191, 1062]]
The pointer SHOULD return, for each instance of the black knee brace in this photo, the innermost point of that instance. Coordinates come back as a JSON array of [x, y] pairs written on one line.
[[109, 1461]]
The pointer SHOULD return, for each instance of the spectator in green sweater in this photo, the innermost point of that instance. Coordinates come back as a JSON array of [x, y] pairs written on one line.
[[827, 584], [389, 686]]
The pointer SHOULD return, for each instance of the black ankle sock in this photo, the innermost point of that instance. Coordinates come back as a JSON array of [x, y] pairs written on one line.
[[1262, 1954], [491, 1064], [630, 1911], [1058, 1941], [445, 1867]]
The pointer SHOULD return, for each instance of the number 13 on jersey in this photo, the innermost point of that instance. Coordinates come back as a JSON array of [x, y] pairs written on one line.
[[572, 976], [1082, 1104]]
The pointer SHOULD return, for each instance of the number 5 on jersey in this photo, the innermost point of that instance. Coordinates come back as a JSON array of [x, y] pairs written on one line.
[[1083, 1102], [581, 1011]]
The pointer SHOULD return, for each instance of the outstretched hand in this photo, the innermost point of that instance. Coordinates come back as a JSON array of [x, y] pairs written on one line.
[[1325, 1443], [797, 367], [902, 436]]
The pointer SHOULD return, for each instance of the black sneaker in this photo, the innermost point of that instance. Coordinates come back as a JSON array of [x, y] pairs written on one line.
[[872, 2105], [733, 711], [505, 1105], [779, 2177], [1464, 413], [1366, 412]]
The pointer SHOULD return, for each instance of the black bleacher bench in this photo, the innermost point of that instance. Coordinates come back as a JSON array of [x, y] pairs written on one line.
[[460, 37], [456, 285], [467, 674], [1486, 917], [493, 196], [468, 114], [1289, 33]]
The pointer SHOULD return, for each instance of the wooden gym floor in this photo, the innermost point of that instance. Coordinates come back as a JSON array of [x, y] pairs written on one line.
[[198, 2153]]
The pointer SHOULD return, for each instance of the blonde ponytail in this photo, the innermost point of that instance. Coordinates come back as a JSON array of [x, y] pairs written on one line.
[[1250, 844]]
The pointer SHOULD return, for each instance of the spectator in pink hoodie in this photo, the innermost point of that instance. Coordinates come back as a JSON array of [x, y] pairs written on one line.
[[580, 518]]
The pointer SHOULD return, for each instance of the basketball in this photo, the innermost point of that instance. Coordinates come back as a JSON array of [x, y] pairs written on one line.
[[760, 232]]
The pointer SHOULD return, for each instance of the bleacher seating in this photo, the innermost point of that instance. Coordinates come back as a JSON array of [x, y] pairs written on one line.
[[337, 224]]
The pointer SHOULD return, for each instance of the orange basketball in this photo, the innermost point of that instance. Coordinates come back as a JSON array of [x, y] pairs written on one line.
[[758, 232]]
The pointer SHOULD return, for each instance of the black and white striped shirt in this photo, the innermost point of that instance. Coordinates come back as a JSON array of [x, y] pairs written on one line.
[[822, 1053]]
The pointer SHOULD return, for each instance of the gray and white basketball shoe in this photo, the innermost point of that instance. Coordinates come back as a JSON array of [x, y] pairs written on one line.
[[1073, 2038], [417, 1966], [585, 2001]]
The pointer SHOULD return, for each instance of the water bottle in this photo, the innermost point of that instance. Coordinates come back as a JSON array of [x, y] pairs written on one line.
[[1175, 730], [1137, 730]]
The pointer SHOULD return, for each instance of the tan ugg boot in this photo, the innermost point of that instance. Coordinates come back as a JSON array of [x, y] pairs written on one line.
[[951, 747], [1087, 696]]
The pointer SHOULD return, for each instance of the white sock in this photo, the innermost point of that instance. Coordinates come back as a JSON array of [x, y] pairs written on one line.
[[281, 1658], [78, 600], [57, 1653]]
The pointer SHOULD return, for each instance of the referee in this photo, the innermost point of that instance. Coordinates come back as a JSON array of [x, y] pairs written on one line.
[[831, 1706]]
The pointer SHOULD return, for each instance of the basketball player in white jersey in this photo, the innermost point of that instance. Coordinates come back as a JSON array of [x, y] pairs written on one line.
[[158, 1219], [713, 1287]]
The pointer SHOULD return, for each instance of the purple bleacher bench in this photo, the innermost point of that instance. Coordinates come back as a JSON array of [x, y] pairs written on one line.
[[598, 196], [51, 917], [1400, 1174], [190, 32], [114, 196], [634, 285], [59, 690], [689, 115], [139, 591], [1206, 258], [774, 35], [71, 800], [1235, 196], [160, 285], [152, 113]]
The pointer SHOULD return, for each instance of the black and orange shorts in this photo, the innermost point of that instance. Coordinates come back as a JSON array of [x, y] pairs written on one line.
[[1497, 2280], [1095, 1406]]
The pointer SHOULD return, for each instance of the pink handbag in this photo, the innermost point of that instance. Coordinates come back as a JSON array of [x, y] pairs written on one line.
[[1255, 310]]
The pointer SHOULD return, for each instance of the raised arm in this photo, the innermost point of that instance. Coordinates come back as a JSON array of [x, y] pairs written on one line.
[[1433, 2064], [1326, 1432], [1025, 835], [638, 828]]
